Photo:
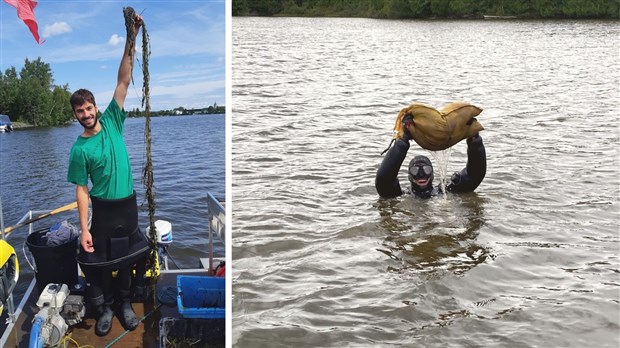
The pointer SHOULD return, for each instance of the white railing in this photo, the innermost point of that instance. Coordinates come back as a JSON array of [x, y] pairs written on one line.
[[217, 224], [217, 227], [11, 312]]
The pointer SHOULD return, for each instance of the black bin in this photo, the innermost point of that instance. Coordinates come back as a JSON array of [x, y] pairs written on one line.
[[54, 264]]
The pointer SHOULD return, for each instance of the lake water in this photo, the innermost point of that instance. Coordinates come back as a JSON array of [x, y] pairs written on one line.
[[188, 154], [530, 259]]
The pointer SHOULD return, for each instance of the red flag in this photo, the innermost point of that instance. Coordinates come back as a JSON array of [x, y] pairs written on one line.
[[25, 12]]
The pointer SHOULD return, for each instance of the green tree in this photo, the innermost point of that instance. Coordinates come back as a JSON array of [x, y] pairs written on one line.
[[440, 8], [587, 9], [31, 97], [265, 7], [9, 90], [420, 8], [38, 71], [463, 8], [33, 103], [398, 9], [547, 8], [239, 7], [34, 100], [428, 8], [60, 112]]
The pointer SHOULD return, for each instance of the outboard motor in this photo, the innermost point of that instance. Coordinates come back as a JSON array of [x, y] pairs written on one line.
[[163, 231], [57, 311]]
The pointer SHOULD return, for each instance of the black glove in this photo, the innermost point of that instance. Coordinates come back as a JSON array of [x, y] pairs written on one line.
[[407, 121], [473, 138]]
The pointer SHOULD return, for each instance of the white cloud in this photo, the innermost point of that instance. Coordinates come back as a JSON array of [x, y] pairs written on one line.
[[190, 95], [75, 54], [56, 29], [115, 40], [182, 40]]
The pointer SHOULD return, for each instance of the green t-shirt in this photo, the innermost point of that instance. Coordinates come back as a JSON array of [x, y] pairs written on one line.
[[103, 157]]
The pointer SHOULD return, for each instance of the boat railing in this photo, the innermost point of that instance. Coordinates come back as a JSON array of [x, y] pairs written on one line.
[[217, 224], [11, 313], [217, 227]]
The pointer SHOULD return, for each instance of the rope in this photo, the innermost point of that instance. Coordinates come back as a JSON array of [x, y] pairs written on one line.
[[398, 124], [68, 339], [398, 127], [172, 259]]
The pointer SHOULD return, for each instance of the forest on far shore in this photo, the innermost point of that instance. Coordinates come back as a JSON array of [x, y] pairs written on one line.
[[398, 9]]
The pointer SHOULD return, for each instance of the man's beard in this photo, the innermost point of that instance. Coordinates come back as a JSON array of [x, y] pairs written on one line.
[[89, 127]]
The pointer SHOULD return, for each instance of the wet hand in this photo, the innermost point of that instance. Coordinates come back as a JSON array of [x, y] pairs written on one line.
[[86, 241], [407, 122], [137, 23]]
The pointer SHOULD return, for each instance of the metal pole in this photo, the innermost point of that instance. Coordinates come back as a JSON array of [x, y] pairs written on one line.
[[1, 219]]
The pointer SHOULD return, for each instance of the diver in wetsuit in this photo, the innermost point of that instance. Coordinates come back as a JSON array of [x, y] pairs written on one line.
[[420, 173], [113, 241]]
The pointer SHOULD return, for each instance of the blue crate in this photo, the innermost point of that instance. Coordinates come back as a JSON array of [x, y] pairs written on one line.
[[201, 297]]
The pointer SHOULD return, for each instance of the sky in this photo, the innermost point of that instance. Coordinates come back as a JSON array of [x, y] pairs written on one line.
[[84, 42]]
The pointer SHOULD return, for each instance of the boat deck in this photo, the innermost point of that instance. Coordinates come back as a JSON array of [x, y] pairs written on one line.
[[147, 334]]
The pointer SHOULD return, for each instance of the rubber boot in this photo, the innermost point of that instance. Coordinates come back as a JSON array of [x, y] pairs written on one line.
[[128, 317], [140, 293], [104, 322]]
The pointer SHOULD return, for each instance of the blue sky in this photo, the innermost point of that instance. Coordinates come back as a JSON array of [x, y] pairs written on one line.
[[84, 41]]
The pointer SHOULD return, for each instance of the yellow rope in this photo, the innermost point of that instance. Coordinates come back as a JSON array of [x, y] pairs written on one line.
[[68, 339], [398, 125]]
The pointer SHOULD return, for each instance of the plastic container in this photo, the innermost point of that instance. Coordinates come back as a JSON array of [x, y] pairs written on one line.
[[54, 264], [201, 297], [177, 332]]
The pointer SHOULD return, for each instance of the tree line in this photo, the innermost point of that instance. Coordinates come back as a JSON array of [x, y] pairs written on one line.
[[180, 111], [602, 9], [31, 97]]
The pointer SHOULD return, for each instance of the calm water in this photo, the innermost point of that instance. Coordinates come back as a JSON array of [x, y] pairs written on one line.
[[531, 259], [188, 160]]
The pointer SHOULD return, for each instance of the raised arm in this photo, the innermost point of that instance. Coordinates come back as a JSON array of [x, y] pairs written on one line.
[[386, 181], [472, 175], [126, 66]]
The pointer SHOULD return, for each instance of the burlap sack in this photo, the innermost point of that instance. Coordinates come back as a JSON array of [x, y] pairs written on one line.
[[438, 130]]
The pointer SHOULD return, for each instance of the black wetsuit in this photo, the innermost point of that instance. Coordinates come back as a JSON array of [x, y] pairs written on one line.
[[466, 180]]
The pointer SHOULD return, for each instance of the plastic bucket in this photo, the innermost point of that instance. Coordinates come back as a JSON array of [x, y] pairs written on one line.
[[54, 264]]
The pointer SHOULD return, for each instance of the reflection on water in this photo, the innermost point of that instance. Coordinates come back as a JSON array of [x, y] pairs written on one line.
[[431, 247]]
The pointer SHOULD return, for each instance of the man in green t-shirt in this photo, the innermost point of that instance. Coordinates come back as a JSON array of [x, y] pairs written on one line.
[[113, 241]]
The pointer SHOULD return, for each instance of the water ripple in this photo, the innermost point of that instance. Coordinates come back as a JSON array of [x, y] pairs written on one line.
[[531, 257]]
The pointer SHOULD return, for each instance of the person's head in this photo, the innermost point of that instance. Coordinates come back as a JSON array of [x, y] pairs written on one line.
[[84, 108], [421, 174]]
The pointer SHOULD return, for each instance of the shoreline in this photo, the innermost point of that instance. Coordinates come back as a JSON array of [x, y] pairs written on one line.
[[22, 125], [433, 18]]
